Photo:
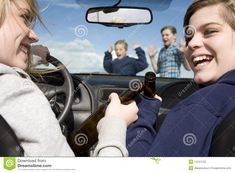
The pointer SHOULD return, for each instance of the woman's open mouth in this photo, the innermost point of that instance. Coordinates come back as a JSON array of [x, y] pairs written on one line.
[[201, 60]]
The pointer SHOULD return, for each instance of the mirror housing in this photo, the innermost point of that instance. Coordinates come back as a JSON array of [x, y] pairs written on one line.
[[119, 16]]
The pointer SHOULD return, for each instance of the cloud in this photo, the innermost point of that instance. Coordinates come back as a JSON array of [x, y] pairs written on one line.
[[77, 55], [69, 5], [45, 4]]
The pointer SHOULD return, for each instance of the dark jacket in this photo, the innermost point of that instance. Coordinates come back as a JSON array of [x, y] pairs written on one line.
[[188, 127], [126, 65]]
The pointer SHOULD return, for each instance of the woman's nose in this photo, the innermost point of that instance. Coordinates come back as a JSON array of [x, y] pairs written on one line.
[[33, 36], [195, 42]]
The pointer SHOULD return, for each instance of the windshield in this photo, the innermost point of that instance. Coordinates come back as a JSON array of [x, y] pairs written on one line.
[[81, 45]]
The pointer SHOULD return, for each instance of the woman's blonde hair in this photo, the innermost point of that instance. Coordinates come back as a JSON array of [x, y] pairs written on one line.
[[34, 16], [228, 13], [33, 9]]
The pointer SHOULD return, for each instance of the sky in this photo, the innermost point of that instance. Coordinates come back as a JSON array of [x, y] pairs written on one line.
[[81, 45]]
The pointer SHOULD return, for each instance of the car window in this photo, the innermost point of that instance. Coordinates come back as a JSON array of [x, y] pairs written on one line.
[[81, 45]]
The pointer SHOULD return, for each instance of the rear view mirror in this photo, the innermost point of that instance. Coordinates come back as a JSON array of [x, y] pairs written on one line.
[[119, 16]]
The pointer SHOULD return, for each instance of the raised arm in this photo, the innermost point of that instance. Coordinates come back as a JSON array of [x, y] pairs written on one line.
[[152, 52], [182, 49], [107, 63], [141, 62]]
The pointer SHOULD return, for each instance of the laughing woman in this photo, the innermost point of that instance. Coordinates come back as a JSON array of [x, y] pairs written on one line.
[[211, 55]]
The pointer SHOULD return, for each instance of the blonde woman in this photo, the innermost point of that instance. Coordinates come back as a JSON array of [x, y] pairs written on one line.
[[22, 104]]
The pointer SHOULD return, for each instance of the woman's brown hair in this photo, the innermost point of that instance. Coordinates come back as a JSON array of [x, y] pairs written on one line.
[[227, 12]]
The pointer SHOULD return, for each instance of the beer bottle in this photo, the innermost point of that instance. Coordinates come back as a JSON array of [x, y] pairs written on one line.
[[150, 84], [82, 139]]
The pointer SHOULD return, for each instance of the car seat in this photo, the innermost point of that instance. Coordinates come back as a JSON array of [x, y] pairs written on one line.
[[9, 144], [223, 141]]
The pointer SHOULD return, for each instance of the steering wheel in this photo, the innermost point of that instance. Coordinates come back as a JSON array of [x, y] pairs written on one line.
[[67, 88]]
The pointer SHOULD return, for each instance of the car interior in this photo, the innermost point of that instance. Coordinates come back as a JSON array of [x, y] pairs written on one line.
[[75, 95]]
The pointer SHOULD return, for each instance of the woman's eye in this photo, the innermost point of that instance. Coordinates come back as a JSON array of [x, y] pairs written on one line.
[[27, 20], [210, 32]]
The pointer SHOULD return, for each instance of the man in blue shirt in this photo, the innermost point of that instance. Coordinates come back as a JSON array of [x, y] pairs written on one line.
[[123, 64], [170, 57]]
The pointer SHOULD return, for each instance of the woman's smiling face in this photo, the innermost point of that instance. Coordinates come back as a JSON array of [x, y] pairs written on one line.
[[211, 50], [16, 36]]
